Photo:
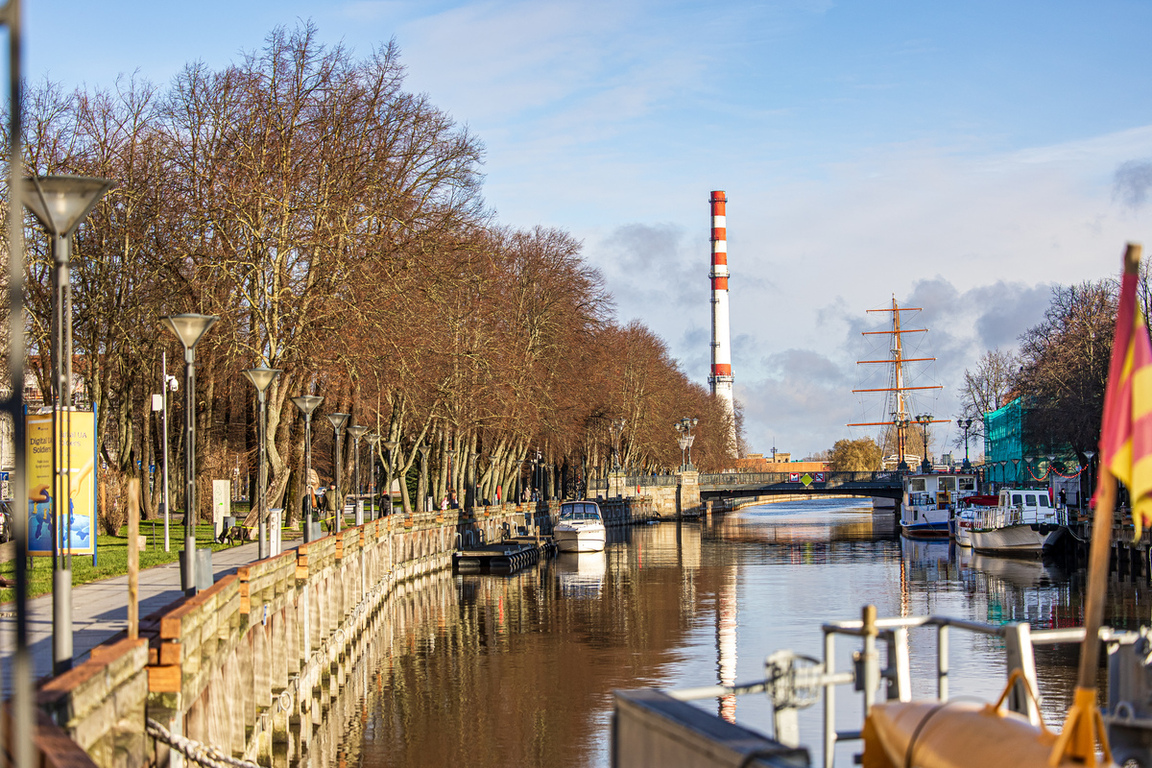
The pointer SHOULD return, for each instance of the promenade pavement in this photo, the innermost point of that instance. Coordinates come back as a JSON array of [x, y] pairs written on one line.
[[100, 609]]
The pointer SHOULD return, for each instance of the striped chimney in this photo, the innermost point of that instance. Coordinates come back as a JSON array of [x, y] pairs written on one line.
[[721, 376]]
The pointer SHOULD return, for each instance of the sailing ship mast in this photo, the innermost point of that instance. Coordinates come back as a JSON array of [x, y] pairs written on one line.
[[898, 407]]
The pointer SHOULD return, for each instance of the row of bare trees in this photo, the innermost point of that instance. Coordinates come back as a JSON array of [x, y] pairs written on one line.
[[335, 224]]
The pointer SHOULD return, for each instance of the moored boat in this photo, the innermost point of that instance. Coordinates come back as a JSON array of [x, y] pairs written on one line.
[[965, 517], [580, 527], [1019, 524], [930, 501]]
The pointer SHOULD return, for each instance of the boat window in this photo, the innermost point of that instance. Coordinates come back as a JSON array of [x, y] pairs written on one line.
[[918, 484], [1017, 499], [1044, 501], [947, 483], [967, 483], [579, 511], [1031, 499]]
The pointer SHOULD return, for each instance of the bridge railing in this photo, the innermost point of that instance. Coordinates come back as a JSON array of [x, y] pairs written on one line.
[[825, 479], [632, 481]]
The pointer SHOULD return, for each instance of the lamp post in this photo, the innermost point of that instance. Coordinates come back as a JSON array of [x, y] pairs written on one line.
[[684, 427], [307, 404], [374, 440], [262, 378], [189, 328], [1089, 455], [60, 204], [616, 427], [965, 424], [357, 432], [924, 420], [901, 423], [1015, 470], [338, 420], [389, 445]]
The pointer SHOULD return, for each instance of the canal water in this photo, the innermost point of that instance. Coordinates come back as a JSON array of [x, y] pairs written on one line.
[[519, 670]]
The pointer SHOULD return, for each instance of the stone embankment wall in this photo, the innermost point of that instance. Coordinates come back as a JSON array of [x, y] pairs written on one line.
[[251, 664]]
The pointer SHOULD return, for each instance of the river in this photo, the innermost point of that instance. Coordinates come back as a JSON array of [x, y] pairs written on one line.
[[519, 670]]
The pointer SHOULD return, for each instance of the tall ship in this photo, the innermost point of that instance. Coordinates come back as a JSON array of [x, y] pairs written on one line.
[[929, 498]]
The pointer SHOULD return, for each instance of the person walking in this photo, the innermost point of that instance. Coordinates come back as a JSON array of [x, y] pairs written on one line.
[[331, 507]]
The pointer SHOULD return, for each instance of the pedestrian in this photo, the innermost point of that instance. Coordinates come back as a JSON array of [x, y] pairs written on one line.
[[1063, 497], [443, 503], [331, 507]]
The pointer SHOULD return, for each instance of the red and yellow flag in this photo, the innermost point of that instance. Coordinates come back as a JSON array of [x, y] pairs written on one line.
[[1126, 429]]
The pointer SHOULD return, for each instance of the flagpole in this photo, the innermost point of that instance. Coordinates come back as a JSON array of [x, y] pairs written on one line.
[[1084, 726]]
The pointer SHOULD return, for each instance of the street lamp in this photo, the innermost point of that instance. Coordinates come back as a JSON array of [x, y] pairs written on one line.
[[374, 440], [262, 378], [357, 432], [389, 445], [684, 427], [901, 423], [965, 424], [60, 204], [307, 404], [189, 328], [616, 427], [1091, 478], [924, 420], [338, 420]]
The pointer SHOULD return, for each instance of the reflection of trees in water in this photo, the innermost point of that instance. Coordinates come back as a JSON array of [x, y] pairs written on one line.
[[517, 670]]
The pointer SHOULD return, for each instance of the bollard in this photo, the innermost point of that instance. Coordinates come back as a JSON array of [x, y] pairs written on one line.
[[203, 573]]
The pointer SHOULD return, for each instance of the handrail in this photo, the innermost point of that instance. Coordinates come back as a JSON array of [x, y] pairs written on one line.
[[867, 673]]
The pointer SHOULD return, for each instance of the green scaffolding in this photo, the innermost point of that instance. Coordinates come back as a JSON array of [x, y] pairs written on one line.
[[1004, 444]]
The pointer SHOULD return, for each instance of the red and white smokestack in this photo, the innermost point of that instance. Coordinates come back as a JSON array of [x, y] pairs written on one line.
[[721, 377]]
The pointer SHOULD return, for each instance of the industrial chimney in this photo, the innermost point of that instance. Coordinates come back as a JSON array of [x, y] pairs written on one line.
[[721, 377]]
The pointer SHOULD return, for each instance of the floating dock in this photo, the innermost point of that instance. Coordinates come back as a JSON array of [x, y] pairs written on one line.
[[506, 556]]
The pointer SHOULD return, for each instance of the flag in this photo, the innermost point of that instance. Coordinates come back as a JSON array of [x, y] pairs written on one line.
[[1126, 429]]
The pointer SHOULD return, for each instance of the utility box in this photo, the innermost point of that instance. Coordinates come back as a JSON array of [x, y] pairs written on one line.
[[221, 505]]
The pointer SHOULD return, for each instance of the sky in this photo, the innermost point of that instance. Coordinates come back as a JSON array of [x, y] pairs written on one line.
[[959, 157]]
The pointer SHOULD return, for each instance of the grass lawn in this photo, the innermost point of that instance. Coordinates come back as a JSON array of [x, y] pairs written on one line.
[[111, 557]]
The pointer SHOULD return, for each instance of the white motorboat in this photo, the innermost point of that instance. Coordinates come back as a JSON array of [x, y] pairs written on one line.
[[962, 522], [930, 501], [1018, 525], [580, 527]]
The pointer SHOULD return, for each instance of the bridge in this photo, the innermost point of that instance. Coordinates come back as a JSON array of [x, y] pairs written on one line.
[[739, 484], [729, 485]]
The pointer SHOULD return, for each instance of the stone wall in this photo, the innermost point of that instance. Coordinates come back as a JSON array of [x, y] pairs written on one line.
[[251, 664]]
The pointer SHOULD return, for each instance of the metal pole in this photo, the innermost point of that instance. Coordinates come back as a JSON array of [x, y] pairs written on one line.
[[262, 546], [61, 574], [308, 477], [164, 390], [339, 511], [189, 471], [22, 691]]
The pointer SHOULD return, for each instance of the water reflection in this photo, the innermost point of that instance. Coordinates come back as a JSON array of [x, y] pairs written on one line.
[[519, 670]]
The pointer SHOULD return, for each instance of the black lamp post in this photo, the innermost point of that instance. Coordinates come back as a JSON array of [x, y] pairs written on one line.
[[338, 420], [924, 420], [189, 328], [262, 378], [684, 428], [60, 204], [307, 404], [374, 441], [616, 427], [965, 424], [357, 432]]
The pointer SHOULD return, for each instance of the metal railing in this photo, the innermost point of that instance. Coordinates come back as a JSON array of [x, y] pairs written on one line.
[[795, 682]]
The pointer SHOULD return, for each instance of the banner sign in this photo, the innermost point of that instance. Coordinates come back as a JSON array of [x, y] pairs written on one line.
[[81, 520]]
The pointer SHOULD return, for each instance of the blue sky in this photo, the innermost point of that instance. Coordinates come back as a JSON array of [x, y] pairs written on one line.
[[962, 157]]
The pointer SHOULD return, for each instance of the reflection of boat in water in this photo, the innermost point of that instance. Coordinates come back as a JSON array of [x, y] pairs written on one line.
[[581, 573], [1019, 524], [580, 527]]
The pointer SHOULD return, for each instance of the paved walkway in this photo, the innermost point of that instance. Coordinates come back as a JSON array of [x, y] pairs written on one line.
[[100, 609]]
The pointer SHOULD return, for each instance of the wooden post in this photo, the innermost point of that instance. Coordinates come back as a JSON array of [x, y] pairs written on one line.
[[133, 558]]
